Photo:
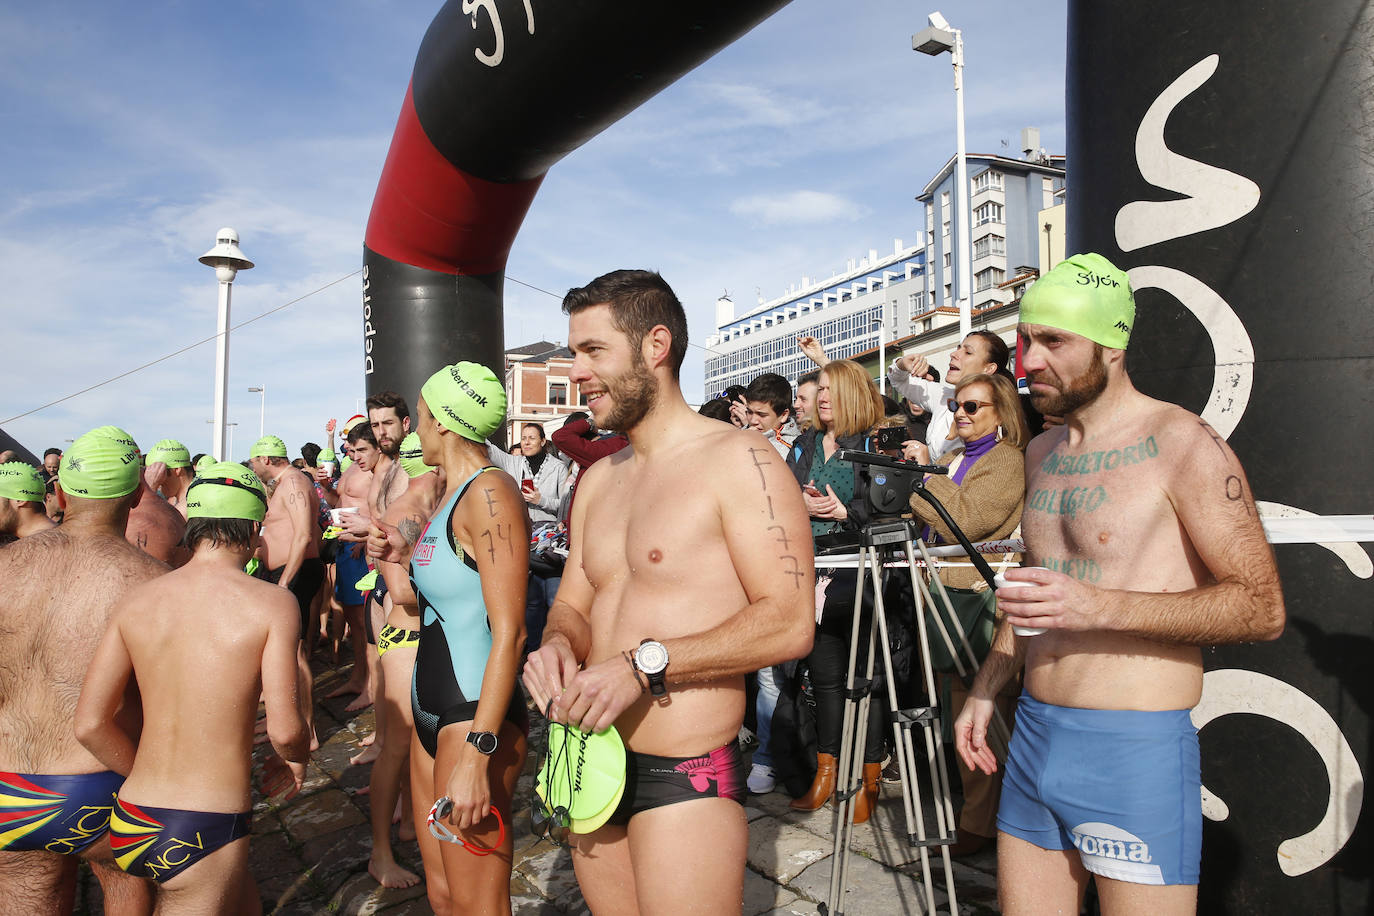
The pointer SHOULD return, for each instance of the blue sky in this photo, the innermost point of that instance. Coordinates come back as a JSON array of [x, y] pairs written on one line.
[[134, 131]]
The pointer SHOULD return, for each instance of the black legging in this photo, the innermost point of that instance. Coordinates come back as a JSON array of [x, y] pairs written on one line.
[[829, 664]]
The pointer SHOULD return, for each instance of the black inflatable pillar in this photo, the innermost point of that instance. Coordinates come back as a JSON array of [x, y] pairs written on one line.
[[1222, 153]]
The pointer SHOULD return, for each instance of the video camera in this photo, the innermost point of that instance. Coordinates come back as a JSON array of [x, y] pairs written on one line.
[[891, 481]]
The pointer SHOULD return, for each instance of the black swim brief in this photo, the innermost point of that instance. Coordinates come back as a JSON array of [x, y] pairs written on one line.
[[652, 782], [304, 586]]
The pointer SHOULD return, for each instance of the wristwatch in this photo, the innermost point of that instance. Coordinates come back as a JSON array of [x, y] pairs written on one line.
[[485, 742], [652, 658]]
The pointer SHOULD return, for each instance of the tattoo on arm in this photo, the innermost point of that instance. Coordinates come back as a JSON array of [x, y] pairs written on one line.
[[491, 503], [795, 572], [754, 454], [410, 529]]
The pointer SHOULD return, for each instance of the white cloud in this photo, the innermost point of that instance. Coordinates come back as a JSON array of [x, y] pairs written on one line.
[[796, 208]]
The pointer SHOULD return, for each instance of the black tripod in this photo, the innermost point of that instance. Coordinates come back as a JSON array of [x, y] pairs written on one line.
[[880, 543]]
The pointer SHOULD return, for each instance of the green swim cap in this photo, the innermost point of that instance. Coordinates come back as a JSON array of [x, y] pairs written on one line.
[[467, 398], [21, 481], [583, 773], [326, 455], [412, 456], [344, 463], [102, 464], [226, 489], [171, 453], [1085, 294], [268, 447], [204, 462]]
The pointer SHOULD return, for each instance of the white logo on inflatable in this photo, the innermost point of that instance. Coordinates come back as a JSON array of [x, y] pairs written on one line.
[[1214, 197], [498, 53]]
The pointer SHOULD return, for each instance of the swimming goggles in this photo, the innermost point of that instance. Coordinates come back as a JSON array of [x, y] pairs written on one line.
[[442, 809]]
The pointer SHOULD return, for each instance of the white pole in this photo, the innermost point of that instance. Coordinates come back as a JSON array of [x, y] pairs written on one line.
[[222, 363], [961, 198], [882, 350]]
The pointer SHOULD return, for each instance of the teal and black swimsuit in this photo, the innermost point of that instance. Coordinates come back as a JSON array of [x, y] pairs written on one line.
[[455, 633]]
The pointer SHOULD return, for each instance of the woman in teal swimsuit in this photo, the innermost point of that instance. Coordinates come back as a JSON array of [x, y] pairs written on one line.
[[469, 567]]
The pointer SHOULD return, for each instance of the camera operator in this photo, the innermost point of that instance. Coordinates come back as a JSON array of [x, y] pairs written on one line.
[[847, 408], [984, 494]]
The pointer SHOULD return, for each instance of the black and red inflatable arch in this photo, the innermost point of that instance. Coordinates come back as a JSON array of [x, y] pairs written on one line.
[[1254, 278]]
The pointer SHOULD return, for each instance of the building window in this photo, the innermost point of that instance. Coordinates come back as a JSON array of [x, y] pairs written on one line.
[[990, 245], [930, 218], [947, 255], [927, 324], [913, 305], [989, 179], [986, 279], [558, 393], [987, 213], [944, 201]]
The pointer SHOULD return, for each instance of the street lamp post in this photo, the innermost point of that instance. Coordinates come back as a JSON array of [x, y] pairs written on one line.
[[882, 348], [937, 38], [227, 260], [262, 409], [229, 449]]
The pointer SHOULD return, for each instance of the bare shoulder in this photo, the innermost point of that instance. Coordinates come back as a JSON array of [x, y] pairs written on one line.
[[1044, 443], [605, 469]]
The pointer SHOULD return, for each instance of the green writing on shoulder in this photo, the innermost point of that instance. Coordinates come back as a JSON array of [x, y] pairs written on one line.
[[1108, 460], [1070, 501]]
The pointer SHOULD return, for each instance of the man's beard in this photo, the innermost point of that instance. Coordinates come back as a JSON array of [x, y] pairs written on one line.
[[1080, 391], [635, 393], [389, 447]]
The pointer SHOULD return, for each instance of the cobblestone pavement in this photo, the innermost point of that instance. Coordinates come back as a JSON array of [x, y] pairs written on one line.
[[309, 855]]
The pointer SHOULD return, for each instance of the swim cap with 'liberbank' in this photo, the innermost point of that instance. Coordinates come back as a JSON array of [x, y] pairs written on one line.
[[467, 398], [20, 481], [171, 453], [102, 464], [226, 489], [268, 447], [1085, 294], [412, 457]]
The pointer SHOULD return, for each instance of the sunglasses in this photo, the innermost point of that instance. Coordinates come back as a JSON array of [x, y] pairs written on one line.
[[554, 822], [970, 407]]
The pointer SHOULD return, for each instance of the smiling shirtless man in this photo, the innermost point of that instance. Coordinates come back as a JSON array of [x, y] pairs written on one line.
[[1153, 548], [656, 624]]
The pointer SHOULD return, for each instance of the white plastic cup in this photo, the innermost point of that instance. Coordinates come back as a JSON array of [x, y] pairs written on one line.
[[1002, 581], [328, 467], [336, 516]]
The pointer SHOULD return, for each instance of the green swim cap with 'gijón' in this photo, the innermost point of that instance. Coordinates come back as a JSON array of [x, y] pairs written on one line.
[[226, 489], [466, 398], [20, 481], [171, 453], [1087, 295], [268, 447], [412, 457], [102, 464]]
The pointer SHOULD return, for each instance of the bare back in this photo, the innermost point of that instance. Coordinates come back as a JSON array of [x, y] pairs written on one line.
[[291, 507], [658, 541], [198, 640], [1123, 508], [59, 590], [157, 528]]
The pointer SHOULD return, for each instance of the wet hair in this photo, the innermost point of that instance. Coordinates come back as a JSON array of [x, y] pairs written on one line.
[[855, 406], [1010, 416], [773, 390], [311, 453], [383, 399], [640, 300], [220, 532], [716, 409], [361, 432]]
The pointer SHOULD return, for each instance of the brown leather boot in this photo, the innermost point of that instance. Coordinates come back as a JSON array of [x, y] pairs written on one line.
[[867, 800], [822, 787]]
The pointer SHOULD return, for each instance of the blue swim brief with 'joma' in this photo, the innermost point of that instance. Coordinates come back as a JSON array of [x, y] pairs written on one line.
[[1122, 787]]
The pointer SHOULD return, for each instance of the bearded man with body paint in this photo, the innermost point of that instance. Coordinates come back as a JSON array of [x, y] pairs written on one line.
[[1150, 547], [655, 625]]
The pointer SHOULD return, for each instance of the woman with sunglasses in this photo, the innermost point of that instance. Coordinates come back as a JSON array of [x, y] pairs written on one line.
[[847, 408], [984, 492]]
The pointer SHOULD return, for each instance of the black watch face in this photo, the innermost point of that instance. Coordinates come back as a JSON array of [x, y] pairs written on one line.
[[484, 742], [651, 657]]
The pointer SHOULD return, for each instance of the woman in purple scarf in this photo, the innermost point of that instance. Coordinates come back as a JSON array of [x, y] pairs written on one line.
[[984, 493]]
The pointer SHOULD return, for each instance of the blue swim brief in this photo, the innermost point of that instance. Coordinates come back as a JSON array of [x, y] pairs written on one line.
[[62, 814], [161, 843], [349, 569], [1121, 786]]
